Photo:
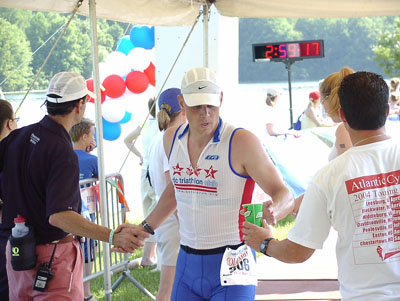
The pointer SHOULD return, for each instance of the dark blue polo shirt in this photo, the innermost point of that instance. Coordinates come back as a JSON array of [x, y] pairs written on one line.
[[40, 177]]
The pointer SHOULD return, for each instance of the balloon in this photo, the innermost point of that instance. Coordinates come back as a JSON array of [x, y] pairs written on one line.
[[117, 63], [111, 131], [137, 82], [125, 45], [114, 85], [140, 58], [126, 118], [90, 86], [151, 74], [112, 110], [142, 36]]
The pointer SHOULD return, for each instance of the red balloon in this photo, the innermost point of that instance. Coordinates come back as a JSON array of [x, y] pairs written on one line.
[[151, 74], [90, 86], [137, 82], [114, 85]]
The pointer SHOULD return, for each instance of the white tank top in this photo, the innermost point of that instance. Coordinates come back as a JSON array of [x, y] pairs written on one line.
[[209, 196]]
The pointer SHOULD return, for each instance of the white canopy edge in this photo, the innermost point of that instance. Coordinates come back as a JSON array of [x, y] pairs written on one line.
[[183, 12], [308, 8], [146, 12]]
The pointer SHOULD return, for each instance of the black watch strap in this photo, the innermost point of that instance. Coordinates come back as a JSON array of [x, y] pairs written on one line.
[[147, 227], [266, 241]]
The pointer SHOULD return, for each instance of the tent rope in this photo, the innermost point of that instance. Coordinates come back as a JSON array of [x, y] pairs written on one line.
[[163, 85], [65, 27]]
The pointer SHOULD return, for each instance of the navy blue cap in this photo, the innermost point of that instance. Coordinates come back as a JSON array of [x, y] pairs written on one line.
[[170, 97]]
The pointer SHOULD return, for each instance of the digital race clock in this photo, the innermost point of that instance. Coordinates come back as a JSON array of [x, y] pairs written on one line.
[[296, 50]]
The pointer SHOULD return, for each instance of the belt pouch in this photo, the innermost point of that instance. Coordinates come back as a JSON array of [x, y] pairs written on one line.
[[23, 251]]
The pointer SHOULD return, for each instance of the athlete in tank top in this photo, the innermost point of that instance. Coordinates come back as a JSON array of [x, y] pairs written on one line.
[[209, 196]]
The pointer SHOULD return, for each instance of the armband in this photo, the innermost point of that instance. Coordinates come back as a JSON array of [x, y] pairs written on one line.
[[110, 238]]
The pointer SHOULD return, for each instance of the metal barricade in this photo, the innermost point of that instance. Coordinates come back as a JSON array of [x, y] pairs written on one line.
[[116, 211]]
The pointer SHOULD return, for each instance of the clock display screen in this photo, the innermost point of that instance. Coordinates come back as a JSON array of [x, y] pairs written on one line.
[[288, 50]]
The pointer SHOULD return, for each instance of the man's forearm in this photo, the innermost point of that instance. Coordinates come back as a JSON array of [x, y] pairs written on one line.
[[288, 251], [72, 222], [165, 207]]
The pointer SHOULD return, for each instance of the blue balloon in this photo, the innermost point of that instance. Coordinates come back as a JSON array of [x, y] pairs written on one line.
[[142, 36], [111, 130], [125, 45], [126, 118]]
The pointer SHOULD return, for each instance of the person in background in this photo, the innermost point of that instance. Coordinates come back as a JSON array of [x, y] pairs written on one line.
[[394, 105], [357, 195], [167, 234], [8, 123], [277, 120], [330, 101], [312, 116], [213, 168], [41, 183], [150, 129], [394, 84], [82, 135]]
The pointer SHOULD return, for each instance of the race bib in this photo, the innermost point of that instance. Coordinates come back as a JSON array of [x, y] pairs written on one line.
[[238, 267]]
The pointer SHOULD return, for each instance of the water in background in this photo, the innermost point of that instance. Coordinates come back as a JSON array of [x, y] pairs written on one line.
[[243, 106]]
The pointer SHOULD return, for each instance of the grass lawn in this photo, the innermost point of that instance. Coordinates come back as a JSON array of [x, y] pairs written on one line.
[[149, 279]]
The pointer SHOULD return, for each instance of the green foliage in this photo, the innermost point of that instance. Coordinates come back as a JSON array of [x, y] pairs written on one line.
[[14, 49], [73, 53], [387, 51], [348, 42]]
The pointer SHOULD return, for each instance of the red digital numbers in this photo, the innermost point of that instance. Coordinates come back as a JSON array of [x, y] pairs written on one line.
[[295, 50], [268, 53], [310, 49]]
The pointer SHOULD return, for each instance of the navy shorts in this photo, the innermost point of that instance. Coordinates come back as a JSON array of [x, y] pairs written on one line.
[[197, 278]]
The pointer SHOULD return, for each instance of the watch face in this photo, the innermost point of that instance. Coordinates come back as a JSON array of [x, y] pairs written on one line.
[[262, 246]]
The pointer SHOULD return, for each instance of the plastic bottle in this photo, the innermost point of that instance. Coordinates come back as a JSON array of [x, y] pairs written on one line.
[[20, 229], [23, 246]]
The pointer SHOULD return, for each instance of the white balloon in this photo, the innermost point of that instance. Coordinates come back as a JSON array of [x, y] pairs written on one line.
[[117, 63], [113, 110], [135, 103], [140, 58]]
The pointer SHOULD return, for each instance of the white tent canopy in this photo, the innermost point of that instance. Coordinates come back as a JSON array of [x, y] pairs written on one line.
[[183, 12]]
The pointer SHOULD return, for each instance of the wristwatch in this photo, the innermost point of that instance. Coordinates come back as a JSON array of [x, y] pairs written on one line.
[[147, 227], [264, 246]]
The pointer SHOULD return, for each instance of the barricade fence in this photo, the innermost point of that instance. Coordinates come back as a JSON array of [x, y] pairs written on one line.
[[92, 250]]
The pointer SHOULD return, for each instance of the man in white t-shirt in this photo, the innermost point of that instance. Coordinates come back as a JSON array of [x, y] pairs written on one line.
[[358, 194]]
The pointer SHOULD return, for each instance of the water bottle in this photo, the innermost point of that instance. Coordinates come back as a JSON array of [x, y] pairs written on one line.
[[23, 246], [20, 229]]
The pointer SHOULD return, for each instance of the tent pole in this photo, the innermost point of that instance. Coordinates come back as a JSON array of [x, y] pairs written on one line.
[[205, 34], [100, 148]]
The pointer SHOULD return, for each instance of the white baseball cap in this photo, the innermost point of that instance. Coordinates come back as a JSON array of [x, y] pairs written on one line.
[[67, 86], [199, 87], [274, 91]]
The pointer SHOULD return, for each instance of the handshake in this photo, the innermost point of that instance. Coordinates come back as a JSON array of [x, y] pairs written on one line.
[[127, 238]]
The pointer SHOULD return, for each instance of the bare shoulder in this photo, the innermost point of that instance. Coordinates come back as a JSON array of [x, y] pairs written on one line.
[[244, 138], [246, 149]]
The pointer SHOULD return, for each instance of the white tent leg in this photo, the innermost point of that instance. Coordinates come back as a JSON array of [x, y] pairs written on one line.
[[100, 148], [205, 34]]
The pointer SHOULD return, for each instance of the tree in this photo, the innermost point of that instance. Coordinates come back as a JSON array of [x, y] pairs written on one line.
[[387, 51], [14, 49]]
